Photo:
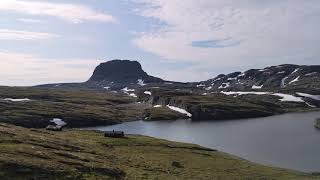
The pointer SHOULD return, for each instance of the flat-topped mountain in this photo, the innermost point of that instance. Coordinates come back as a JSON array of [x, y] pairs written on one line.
[[121, 71]]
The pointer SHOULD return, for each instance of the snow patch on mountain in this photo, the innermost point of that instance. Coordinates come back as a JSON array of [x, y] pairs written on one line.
[[224, 85], [285, 97], [257, 87], [311, 74], [148, 93], [314, 97], [295, 80], [141, 82], [201, 85], [244, 93], [231, 79], [58, 122], [126, 89], [133, 95], [296, 70], [16, 100], [180, 110], [288, 98]]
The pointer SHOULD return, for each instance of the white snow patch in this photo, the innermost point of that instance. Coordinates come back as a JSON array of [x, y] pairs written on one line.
[[311, 74], [128, 90], [257, 87], [281, 72], [285, 97], [182, 111], [107, 88], [216, 79], [224, 85], [288, 97], [133, 95], [241, 75], [314, 97], [16, 100], [261, 70], [244, 93], [204, 94], [295, 80], [231, 79], [208, 88], [148, 93], [168, 83], [58, 122], [141, 82], [296, 70], [157, 106], [201, 85]]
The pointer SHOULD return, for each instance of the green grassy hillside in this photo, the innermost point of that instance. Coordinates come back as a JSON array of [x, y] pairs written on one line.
[[74, 154]]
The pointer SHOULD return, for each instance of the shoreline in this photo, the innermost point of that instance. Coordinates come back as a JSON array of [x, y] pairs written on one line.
[[78, 153], [96, 129]]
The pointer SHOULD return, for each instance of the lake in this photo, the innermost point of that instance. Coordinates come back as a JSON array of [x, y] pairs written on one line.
[[287, 141]]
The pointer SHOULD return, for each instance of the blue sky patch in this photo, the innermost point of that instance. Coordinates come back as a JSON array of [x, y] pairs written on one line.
[[223, 43]]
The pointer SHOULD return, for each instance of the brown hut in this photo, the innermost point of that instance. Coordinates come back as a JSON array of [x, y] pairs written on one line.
[[114, 134]]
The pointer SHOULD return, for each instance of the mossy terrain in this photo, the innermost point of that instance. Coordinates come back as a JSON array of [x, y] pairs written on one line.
[[77, 107], [75, 154], [162, 113]]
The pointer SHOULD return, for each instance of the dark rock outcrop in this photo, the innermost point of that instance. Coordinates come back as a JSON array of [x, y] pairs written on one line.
[[121, 71]]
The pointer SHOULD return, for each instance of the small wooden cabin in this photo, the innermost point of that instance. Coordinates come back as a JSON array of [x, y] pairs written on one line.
[[114, 134]]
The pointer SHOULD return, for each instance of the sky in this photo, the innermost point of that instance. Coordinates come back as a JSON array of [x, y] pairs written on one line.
[[55, 41]]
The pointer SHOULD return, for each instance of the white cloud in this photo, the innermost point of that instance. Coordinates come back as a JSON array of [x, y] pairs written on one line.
[[7, 34], [25, 69], [246, 31], [68, 12]]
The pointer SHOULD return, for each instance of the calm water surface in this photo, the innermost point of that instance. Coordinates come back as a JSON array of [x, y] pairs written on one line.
[[287, 141]]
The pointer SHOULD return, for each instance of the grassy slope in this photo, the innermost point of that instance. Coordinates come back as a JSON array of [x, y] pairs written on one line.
[[74, 154], [77, 107]]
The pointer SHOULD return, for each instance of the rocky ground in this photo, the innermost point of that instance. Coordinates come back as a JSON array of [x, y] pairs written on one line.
[[74, 154]]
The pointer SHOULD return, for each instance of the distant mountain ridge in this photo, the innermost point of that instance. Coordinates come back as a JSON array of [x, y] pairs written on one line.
[[286, 76], [119, 74]]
